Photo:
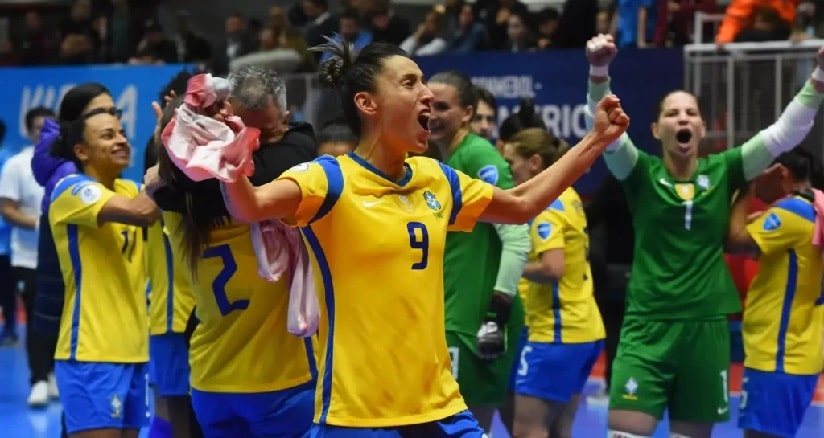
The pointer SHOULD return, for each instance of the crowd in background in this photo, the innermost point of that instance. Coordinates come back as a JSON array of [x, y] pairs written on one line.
[[124, 31]]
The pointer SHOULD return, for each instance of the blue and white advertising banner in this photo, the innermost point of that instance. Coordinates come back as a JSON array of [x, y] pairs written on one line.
[[133, 90], [557, 82]]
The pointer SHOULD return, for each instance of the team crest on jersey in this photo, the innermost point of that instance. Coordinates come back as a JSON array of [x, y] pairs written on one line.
[[302, 167], [117, 407], [432, 202], [631, 389], [544, 229], [685, 191], [89, 193], [489, 173], [772, 222], [703, 182]]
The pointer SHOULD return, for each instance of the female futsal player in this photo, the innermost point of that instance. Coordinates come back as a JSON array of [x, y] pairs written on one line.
[[565, 327], [96, 221], [250, 377], [376, 224], [674, 347], [481, 268]]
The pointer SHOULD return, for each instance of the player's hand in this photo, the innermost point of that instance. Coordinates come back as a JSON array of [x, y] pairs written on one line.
[[610, 119], [601, 50], [492, 334]]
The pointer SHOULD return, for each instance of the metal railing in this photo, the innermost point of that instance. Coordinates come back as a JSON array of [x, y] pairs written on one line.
[[743, 87]]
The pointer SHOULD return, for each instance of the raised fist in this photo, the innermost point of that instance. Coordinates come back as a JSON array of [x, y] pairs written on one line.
[[601, 50]]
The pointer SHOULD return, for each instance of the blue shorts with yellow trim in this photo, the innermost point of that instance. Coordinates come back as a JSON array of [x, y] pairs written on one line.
[[775, 403], [460, 425], [555, 372], [169, 364], [99, 395], [287, 413]]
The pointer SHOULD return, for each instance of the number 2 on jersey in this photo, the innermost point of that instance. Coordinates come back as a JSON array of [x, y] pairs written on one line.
[[224, 253], [419, 239]]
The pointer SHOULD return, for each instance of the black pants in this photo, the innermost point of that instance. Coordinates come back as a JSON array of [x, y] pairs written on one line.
[[8, 295], [39, 347], [612, 312]]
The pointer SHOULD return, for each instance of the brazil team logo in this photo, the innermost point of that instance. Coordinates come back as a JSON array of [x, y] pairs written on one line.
[[432, 202], [685, 191], [772, 222]]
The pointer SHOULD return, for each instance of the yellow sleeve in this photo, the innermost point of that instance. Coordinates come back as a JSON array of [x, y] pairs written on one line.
[[321, 183], [470, 198], [78, 199], [776, 230], [547, 230]]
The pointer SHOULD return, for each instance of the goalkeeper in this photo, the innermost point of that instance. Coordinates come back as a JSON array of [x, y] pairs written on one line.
[[484, 314]]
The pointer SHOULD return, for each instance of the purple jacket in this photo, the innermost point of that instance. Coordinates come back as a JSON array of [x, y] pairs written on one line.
[[48, 170]]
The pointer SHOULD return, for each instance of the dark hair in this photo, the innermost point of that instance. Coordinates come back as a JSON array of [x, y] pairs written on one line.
[[177, 84], [803, 166], [336, 131], [36, 112], [486, 97], [351, 73], [467, 93], [523, 119], [152, 155], [71, 134], [531, 141], [660, 107], [76, 100]]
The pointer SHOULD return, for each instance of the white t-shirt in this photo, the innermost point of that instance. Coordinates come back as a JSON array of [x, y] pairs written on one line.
[[18, 184]]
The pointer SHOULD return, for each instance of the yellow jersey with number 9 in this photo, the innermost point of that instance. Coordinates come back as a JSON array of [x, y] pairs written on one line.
[[784, 313], [240, 344], [171, 298], [377, 247], [563, 311], [104, 316]]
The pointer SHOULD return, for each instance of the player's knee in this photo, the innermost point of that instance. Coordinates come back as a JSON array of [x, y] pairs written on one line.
[[617, 434]]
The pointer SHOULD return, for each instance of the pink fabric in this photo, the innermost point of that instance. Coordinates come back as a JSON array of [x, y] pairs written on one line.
[[203, 147], [279, 249], [818, 204]]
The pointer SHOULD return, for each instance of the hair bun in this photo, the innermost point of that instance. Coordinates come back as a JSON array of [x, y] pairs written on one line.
[[331, 71], [526, 111]]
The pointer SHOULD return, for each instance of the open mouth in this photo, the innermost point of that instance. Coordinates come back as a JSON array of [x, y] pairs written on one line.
[[683, 136], [423, 120]]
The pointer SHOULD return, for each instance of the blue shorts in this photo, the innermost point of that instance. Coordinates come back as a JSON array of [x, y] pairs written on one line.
[[555, 372], [775, 403], [99, 395], [286, 413], [513, 378], [462, 425], [169, 364]]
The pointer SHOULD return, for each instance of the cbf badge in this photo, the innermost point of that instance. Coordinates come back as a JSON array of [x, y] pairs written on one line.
[[432, 202], [703, 182], [685, 191]]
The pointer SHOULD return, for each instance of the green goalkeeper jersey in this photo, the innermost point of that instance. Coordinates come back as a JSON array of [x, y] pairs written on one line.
[[471, 260]]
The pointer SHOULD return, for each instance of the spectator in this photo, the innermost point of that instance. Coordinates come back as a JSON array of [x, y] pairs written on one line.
[[636, 22], [547, 26], [239, 42], [740, 14], [519, 33], [321, 23], [484, 120], [469, 35], [767, 25], [336, 138], [35, 44], [385, 25], [154, 42], [8, 56], [577, 24], [494, 14], [290, 38], [191, 47], [351, 30], [124, 33], [676, 21], [79, 41], [427, 38]]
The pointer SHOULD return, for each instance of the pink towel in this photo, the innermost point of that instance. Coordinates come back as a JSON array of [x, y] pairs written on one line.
[[280, 248], [203, 147], [818, 204]]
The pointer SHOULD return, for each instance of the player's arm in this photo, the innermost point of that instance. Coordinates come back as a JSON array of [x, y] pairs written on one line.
[[10, 199], [791, 128], [547, 236], [77, 199], [773, 232]]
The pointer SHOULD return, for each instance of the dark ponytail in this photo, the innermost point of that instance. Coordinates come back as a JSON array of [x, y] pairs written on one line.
[[523, 119]]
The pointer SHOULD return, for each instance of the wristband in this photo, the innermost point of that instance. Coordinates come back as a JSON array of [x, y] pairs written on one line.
[[818, 75], [602, 71]]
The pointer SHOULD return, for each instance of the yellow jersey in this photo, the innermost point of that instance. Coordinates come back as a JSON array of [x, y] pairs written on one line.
[[104, 318], [784, 313], [240, 344], [377, 247], [563, 311], [171, 298]]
